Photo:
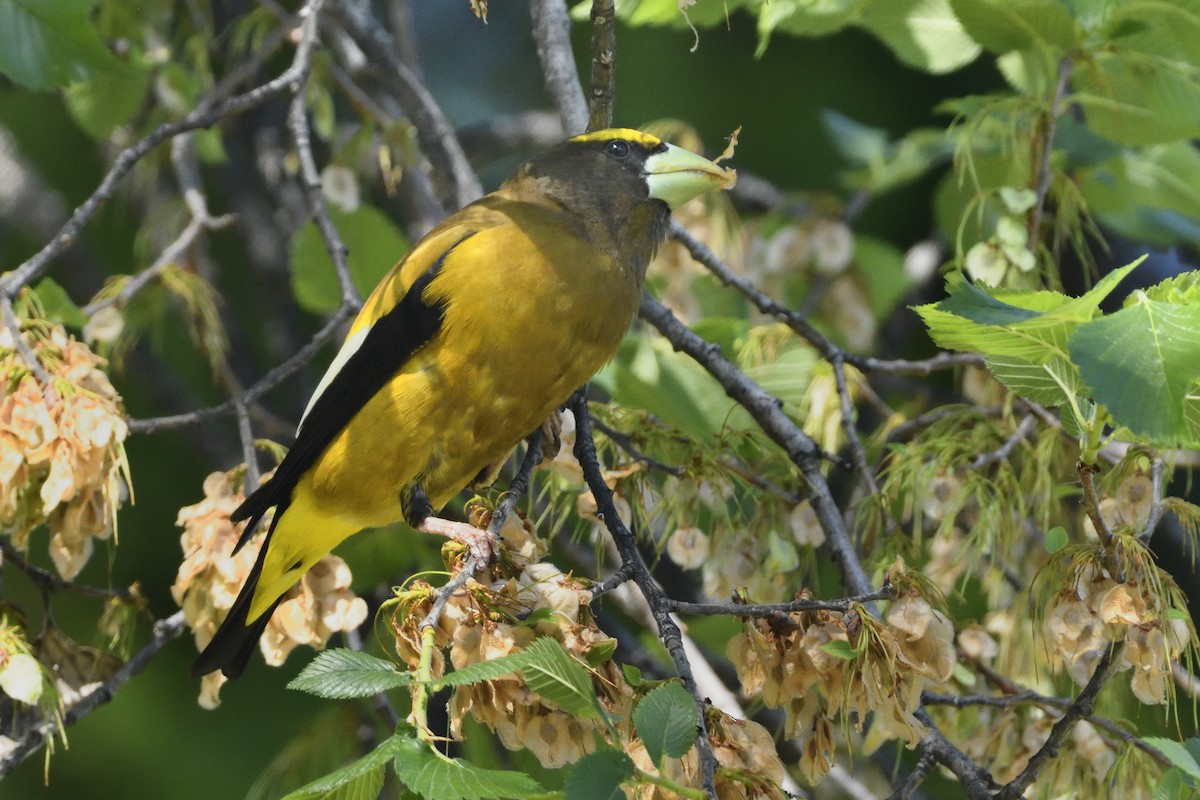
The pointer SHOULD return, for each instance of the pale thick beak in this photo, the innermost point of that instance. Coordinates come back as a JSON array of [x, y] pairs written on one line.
[[678, 175]]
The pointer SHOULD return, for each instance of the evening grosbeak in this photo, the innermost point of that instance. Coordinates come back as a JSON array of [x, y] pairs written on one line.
[[467, 346]]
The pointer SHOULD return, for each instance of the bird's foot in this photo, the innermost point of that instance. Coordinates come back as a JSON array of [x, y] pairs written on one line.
[[478, 541]]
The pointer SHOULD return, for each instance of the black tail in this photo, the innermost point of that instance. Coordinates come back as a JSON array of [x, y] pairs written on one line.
[[230, 649]]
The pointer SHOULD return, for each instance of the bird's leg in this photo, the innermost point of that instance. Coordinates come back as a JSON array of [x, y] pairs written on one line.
[[418, 512], [479, 542]]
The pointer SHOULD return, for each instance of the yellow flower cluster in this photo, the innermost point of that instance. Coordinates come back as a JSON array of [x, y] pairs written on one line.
[[818, 664], [62, 457], [211, 576], [748, 767], [1083, 620], [484, 622]]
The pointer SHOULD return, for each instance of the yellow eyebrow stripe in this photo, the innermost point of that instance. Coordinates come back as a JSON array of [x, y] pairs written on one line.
[[628, 134]]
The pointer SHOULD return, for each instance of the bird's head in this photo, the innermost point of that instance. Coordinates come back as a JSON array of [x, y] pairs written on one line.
[[623, 167]]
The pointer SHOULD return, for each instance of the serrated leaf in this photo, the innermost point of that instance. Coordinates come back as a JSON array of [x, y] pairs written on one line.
[[376, 245], [1052, 384], [840, 649], [1142, 363], [598, 776], [339, 674], [666, 720], [1176, 753], [1170, 786], [1030, 325], [435, 777], [48, 44], [1056, 539], [1181, 288], [360, 780], [559, 677], [633, 675], [487, 670], [922, 33]]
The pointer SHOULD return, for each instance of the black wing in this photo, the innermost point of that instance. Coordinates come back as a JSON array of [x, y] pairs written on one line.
[[393, 340]]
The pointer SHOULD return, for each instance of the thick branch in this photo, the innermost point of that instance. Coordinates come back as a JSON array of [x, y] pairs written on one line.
[[552, 32], [604, 65]]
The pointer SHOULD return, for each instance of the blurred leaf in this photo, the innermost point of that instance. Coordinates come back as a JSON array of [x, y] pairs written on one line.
[[360, 780], [108, 100], [1056, 539], [598, 776], [704, 14], [804, 18], [882, 267], [922, 33], [435, 777], [1170, 786], [859, 144], [666, 720], [339, 674], [57, 304], [1182, 288], [839, 648], [1138, 99], [1176, 753], [377, 246], [48, 44], [1143, 364], [1001, 26]]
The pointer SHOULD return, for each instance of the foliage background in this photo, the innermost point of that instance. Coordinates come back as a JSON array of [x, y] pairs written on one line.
[[153, 736]]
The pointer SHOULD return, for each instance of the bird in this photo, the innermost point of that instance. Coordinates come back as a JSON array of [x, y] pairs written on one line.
[[471, 342]]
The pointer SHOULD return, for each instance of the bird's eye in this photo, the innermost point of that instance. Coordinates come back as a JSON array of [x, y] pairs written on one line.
[[618, 148]]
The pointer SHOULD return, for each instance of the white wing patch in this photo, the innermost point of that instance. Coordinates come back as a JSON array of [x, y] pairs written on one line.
[[349, 348]]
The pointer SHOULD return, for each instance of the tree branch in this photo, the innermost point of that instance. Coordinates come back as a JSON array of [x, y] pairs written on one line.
[[552, 33]]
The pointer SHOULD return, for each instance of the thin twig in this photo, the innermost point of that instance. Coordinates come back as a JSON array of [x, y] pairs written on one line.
[[604, 65], [1080, 709], [773, 609], [434, 132], [30, 741], [668, 631], [264, 384], [49, 581], [1157, 467], [36, 264], [1046, 142], [1023, 431], [920, 771], [552, 33], [23, 349], [768, 413], [1091, 505]]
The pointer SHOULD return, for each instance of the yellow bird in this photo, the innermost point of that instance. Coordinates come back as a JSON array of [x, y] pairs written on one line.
[[466, 347]]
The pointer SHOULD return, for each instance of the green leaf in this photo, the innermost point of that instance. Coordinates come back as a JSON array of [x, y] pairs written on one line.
[[559, 677], [840, 649], [1182, 288], [48, 44], [922, 33], [360, 780], [1138, 99], [882, 267], [435, 777], [1052, 384], [1030, 325], [859, 144], [486, 670], [1176, 753], [633, 675], [1142, 363], [804, 18], [1170, 786], [339, 674], [1056, 539], [1001, 26], [376, 245], [598, 776], [666, 720], [58, 304], [108, 100]]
